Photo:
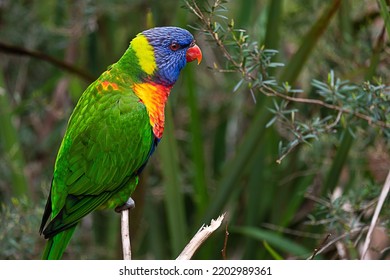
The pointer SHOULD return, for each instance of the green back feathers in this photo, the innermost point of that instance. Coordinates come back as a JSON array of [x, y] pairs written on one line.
[[107, 140]]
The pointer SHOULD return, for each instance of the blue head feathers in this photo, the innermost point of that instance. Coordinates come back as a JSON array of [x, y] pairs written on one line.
[[170, 45]]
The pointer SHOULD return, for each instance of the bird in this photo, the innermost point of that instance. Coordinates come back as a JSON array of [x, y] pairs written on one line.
[[113, 130]]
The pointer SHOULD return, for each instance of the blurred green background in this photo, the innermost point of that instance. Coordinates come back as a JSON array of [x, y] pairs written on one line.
[[216, 155]]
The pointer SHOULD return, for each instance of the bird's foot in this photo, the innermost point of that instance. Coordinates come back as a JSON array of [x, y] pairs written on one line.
[[129, 204]]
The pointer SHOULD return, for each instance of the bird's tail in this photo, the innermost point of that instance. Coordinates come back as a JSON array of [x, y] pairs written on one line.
[[57, 244]]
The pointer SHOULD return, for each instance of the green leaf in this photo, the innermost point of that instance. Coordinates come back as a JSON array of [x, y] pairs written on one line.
[[282, 243], [237, 86], [197, 149], [385, 12], [173, 195], [272, 252]]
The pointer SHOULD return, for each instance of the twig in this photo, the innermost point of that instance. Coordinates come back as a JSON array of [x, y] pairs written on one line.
[[316, 250], [125, 233], [334, 240], [207, 22], [269, 91], [16, 50], [381, 200], [225, 243], [200, 237]]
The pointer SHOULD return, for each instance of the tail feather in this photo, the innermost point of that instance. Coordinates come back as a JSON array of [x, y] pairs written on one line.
[[57, 244]]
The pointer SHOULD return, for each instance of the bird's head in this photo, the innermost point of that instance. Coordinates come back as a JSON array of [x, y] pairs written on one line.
[[163, 51]]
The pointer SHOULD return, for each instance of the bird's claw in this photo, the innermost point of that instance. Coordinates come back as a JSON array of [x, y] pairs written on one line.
[[129, 204]]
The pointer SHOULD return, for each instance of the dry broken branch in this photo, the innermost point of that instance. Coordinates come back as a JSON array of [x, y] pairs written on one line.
[[200, 237]]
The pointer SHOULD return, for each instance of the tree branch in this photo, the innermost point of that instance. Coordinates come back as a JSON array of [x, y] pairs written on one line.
[[15, 50], [200, 237], [269, 91]]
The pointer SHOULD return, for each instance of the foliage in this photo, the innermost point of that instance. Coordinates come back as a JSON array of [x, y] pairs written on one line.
[[368, 102], [285, 125], [19, 223]]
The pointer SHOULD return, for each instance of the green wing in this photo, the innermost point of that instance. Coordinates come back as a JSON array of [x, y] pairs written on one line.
[[107, 140]]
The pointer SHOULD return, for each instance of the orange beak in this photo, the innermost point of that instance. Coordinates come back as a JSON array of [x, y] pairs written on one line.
[[193, 53]]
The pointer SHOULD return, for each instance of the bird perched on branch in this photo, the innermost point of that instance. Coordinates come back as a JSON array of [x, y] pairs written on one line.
[[113, 130]]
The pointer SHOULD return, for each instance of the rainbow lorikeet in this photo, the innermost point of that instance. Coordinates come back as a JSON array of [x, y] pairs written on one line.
[[113, 130]]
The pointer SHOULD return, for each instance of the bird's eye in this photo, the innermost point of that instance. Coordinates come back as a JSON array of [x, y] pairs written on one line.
[[174, 46]]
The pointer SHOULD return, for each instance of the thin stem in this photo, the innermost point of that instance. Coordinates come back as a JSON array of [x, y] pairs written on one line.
[[341, 237], [269, 91], [125, 232]]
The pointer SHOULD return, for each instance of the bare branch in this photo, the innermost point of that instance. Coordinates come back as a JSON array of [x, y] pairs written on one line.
[[16, 50], [200, 237], [381, 200], [316, 250], [125, 233], [224, 249]]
